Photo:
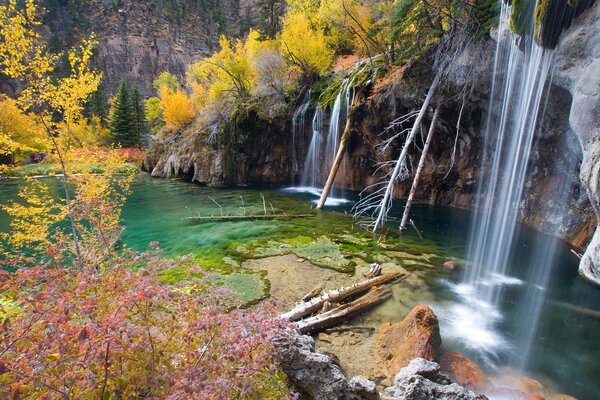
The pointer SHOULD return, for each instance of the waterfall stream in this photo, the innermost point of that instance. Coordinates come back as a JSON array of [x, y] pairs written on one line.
[[521, 72]]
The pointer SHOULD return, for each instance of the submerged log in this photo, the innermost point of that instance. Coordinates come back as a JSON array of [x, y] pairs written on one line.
[[334, 296], [245, 217], [333, 317]]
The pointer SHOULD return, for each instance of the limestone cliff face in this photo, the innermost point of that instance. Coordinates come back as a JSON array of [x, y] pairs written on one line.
[[578, 71]]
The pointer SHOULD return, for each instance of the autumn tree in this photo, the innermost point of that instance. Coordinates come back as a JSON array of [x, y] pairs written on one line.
[[177, 108], [19, 133], [304, 45], [58, 101]]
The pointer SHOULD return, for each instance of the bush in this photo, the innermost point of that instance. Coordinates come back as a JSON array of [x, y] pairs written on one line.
[[121, 333]]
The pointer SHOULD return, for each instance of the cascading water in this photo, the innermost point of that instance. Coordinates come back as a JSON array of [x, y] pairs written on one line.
[[521, 69], [339, 113], [312, 164], [298, 126]]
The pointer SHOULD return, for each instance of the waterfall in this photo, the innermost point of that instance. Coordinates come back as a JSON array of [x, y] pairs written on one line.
[[521, 69], [298, 127], [312, 164]]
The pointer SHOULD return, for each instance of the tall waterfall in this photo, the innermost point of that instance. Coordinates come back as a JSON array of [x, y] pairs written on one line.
[[298, 126], [521, 69], [312, 164]]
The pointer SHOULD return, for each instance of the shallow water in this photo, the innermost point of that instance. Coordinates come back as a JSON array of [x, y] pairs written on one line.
[[566, 349]]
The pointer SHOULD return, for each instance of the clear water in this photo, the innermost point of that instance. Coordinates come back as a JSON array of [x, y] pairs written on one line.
[[565, 354]]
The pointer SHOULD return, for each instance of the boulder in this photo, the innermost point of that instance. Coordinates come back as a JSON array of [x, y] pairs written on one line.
[[314, 375], [450, 265], [416, 336], [463, 371], [423, 380]]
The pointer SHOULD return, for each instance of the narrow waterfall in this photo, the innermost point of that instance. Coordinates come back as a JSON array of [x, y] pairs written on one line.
[[337, 120], [298, 127], [312, 164], [521, 69]]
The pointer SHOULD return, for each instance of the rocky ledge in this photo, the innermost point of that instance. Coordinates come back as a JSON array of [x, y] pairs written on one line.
[[316, 377]]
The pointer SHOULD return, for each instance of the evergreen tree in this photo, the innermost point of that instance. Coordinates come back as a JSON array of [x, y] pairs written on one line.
[[96, 104], [137, 116], [120, 117], [269, 17]]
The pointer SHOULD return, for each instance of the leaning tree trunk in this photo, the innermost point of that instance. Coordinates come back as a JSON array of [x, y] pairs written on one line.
[[383, 207], [415, 183], [340, 153]]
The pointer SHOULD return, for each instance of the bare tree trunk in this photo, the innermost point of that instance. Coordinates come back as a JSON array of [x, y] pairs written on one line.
[[383, 208], [337, 315], [415, 183], [333, 296], [338, 157]]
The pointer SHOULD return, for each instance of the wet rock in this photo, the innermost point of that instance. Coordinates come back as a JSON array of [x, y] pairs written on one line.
[[314, 374], [450, 265], [577, 66], [504, 393], [463, 371], [423, 380], [417, 335]]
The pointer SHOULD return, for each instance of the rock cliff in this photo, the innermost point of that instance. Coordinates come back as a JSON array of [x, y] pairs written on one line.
[[578, 71], [139, 39]]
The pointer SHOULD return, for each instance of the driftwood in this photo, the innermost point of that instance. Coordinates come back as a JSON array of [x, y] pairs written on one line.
[[314, 292], [334, 296], [330, 318], [245, 217]]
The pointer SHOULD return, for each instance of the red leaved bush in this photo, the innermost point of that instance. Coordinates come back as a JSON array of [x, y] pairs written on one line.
[[121, 334]]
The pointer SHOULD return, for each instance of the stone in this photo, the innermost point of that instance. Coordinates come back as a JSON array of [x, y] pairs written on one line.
[[450, 265], [507, 393], [423, 380], [463, 371], [576, 70], [314, 375], [417, 335]]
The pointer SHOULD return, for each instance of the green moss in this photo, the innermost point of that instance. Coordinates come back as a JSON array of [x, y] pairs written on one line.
[[520, 16], [172, 276], [248, 288], [541, 12]]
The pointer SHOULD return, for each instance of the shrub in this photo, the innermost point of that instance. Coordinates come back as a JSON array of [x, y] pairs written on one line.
[[121, 333]]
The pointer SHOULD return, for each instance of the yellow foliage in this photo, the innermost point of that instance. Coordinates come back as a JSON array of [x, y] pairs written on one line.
[[178, 109], [304, 45], [19, 134], [23, 57], [34, 217], [228, 72]]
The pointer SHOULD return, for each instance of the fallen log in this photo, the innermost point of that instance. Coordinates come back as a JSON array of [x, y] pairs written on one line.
[[334, 296], [333, 317], [314, 292], [245, 217]]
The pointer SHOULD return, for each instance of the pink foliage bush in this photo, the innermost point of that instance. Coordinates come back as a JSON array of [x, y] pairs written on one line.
[[120, 333]]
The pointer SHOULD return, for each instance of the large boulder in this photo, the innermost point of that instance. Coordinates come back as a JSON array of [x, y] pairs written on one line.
[[463, 371], [417, 335], [314, 374], [423, 380]]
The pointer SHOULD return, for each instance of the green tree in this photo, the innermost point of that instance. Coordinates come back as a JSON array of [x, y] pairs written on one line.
[[269, 17], [120, 117], [137, 116], [96, 104]]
